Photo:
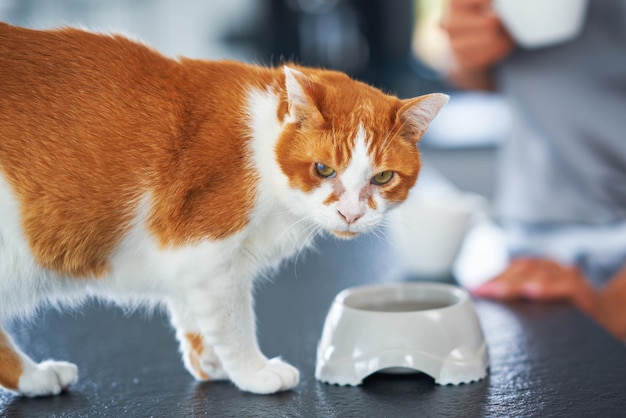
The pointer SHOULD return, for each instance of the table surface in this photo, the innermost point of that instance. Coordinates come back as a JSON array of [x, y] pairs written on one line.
[[546, 360]]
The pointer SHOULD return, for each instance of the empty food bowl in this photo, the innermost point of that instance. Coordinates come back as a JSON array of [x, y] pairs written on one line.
[[428, 327]]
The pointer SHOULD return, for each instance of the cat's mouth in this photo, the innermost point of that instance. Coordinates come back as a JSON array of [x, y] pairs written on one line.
[[344, 234]]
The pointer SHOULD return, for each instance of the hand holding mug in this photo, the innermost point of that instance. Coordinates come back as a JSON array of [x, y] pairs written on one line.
[[478, 38]]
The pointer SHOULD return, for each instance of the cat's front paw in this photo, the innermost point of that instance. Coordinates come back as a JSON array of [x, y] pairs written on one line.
[[274, 376], [48, 378]]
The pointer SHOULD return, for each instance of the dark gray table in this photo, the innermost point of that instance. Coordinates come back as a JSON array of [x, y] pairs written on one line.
[[545, 360]]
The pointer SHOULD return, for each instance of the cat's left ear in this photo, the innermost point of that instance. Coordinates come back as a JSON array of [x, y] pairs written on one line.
[[302, 95], [415, 115]]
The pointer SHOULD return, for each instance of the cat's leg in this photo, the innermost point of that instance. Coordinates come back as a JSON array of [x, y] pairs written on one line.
[[225, 317], [198, 356], [19, 374]]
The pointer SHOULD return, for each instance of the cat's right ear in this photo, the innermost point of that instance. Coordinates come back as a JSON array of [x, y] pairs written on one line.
[[302, 95]]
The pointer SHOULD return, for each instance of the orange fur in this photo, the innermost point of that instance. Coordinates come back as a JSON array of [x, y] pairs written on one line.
[[343, 105], [95, 129], [11, 369], [89, 124], [197, 347], [331, 199], [101, 121]]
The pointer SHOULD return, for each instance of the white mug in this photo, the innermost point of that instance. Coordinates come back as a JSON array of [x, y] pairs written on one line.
[[428, 230], [540, 23]]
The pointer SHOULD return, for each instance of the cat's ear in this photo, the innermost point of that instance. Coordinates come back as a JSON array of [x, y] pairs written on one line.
[[416, 114], [302, 94]]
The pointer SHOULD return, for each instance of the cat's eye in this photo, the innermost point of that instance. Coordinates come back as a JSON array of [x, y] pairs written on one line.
[[324, 170], [382, 178]]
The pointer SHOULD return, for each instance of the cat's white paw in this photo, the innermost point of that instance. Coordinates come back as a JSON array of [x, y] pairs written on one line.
[[274, 376], [48, 378]]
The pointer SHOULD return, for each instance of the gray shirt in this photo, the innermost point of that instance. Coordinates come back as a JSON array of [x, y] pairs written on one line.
[[565, 161]]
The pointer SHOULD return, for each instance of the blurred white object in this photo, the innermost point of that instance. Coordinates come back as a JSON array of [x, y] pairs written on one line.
[[428, 327], [483, 255], [427, 230], [470, 119], [539, 23]]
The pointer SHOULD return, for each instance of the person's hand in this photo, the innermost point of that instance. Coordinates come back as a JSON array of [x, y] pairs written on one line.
[[610, 311], [546, 280], [543, 280], [478, 39]]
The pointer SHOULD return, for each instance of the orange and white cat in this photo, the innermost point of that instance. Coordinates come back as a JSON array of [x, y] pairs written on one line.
[[141, 179]]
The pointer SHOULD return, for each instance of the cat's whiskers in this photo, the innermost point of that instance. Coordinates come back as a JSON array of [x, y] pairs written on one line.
[[293, 225], [213, 190], [381, 232], [314, 231], [385, 226]]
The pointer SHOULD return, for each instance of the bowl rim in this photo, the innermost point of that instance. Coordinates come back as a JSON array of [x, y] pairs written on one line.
[[459, 294]]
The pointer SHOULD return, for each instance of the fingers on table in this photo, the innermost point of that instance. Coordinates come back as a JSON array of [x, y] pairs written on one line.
[[537, 279]]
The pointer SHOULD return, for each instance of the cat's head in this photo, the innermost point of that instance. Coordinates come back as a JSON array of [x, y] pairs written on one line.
[[348, 150]]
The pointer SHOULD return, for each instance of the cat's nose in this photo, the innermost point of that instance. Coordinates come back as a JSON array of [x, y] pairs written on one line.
[[350, 218]]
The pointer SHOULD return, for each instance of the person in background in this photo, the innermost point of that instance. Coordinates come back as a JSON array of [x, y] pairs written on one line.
[[561, 196]]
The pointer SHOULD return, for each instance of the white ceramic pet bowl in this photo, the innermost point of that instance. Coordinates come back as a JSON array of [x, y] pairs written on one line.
[[428, 327]]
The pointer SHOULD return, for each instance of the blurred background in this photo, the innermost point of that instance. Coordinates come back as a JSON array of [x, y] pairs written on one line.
[[390, 44]]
